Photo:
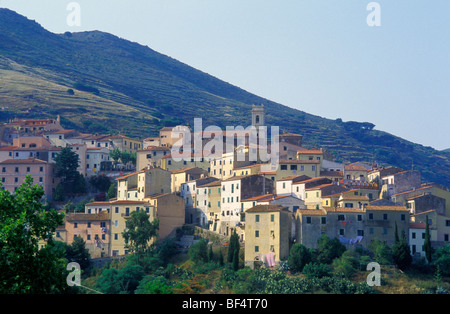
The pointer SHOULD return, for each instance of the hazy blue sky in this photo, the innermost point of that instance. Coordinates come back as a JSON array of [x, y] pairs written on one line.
[[319, 56]]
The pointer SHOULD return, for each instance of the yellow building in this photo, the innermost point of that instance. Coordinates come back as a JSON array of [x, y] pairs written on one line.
[[287, 168], [356, 171], [169, 210], [213, 192], [353, 201], [267, 235], [317, 196], [120, 212], [180, 176], [247, 170], [193, 160], [150, 157], [137, 185], [125, 143]]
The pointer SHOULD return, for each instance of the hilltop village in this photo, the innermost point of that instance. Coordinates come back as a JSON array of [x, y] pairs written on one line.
[[307, 195]]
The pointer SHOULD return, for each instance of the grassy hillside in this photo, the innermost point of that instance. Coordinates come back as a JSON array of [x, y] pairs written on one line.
[[121, 86]]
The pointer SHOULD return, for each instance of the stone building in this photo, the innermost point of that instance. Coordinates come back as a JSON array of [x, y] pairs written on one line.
[[268, 235]]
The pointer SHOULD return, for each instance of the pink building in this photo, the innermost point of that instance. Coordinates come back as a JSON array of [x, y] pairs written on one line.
[[14, 171], [94, 229]]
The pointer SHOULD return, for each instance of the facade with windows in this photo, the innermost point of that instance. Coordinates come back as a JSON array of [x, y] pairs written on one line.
[[14, 171], [94, 229]]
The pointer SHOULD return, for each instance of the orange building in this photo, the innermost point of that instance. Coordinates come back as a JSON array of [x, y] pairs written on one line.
[[94, 229]]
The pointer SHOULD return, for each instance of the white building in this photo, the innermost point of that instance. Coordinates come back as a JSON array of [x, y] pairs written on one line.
[[97, 159]]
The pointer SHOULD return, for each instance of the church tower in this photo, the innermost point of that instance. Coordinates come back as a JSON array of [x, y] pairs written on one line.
[[258, 115], [258, 119]]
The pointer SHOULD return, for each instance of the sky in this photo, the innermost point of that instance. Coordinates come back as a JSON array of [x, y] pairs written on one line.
[[324, 57]]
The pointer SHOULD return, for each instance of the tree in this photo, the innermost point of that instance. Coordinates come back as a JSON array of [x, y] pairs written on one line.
[[198, 252], [401, 253], [77, 252], [112, 191], [396, 239], [66, 164], [25, 223], [381, 251], [347, 264], [59, 195], [329, 249], [210, 254], [427, 243], [115, 155], [154, 285], [125, 157], [299, 256], [442, 259], [100, 182], [139, 232], [233, 251]]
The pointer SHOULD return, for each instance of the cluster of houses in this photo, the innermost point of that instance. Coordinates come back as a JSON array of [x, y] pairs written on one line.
[[308, 194]]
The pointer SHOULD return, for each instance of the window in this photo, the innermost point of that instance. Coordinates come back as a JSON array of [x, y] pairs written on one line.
[[75, 225], [341, 217], [385, 216], [256, 218], [359, 217], [371, 216], [256, 233], [3, 169], [272, 217], [323, 220], [402, 217], [341, 232], [256, 248], [283, 167], [293, 167], [308, 220], [413, 235], [360, 233], [16, 169]]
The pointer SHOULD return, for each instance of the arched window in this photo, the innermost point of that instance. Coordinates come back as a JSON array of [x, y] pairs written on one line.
[[257, 119]]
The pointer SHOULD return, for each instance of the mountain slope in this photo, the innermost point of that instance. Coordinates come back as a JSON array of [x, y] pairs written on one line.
[[121, 86]]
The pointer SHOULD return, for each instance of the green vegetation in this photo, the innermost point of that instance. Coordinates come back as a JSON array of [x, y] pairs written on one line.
[[164, 269], [72, 181], [139, 231], [30, 262]]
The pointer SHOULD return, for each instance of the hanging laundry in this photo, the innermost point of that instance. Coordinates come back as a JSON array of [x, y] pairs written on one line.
[[270, 259]]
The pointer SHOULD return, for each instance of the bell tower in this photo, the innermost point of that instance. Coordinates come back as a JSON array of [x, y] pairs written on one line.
[[258, 119], [258, 116]]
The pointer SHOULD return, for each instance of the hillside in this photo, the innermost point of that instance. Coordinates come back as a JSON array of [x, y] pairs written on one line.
[[121, 86]]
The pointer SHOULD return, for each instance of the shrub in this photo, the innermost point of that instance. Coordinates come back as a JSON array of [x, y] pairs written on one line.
[[316, 270], [299, 256], [154, 285], [198, 252]]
